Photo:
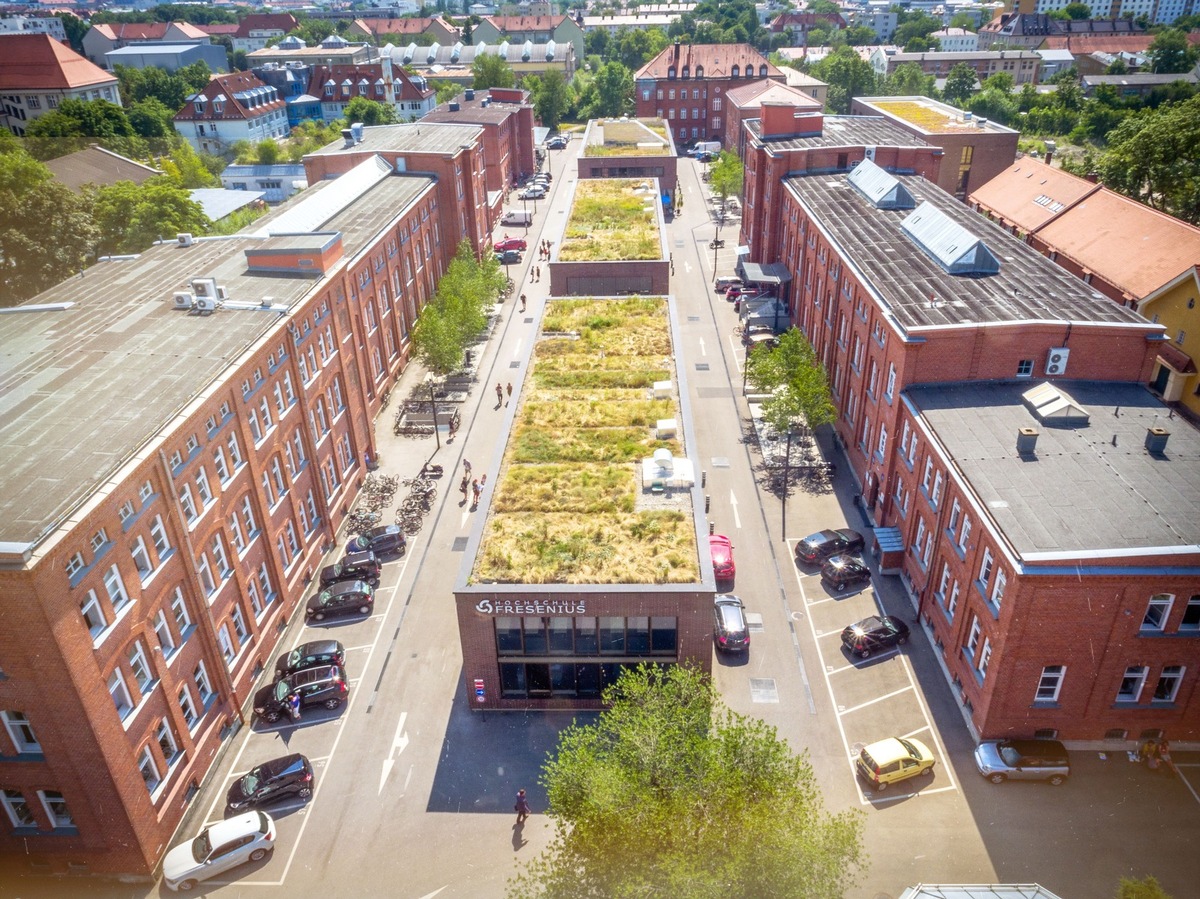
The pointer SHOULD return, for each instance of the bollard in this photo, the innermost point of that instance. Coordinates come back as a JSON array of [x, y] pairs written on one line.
[[712, 528], [707, 503], [703, 478]]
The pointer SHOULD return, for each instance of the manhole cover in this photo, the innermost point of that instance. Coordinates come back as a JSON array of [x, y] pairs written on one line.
[[762, 689], [720, 462], [516, 364], [701, 366], [459, 545]]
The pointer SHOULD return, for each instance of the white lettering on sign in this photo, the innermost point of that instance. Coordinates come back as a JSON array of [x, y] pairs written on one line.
[[532, 607]]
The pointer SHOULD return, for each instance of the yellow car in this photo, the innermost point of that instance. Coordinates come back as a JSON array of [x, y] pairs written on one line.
[[892, 760]]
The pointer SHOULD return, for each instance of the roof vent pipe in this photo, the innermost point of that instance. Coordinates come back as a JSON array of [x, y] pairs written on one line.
[[1156, 441], [1026, 441]]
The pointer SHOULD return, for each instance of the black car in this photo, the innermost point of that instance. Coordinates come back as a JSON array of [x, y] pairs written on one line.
[[289, 775], [845, 571], [818, 547], [310, 655], [730, 630], [324, 685], [382, 541], [341, 598], [873, 634], [356, 566], [558, 142], [509, 257]]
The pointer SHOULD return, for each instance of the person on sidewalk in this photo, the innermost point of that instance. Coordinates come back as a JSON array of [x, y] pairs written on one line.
[[521, 807], [508, 392], [476, 490], [522, 302], [499, 395], [467, 467], [293, 702], [463, 487]]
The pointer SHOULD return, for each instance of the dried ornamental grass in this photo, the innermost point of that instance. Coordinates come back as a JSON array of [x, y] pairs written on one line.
[[922, 116], [611, 221]]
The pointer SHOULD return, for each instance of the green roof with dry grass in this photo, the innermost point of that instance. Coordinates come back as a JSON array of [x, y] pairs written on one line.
[[929, 118], [612, 219], [564, 509], [628, 137]]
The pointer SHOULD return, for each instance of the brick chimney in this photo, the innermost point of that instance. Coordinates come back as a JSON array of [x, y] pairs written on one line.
[[785, 120]]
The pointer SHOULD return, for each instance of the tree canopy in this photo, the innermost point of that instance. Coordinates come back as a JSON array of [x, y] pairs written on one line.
[[796, 381], [492, 70], [848, 76], [726, 175], [130, 217], [672, 794], [449, 322], [960, 84], [551, 97], [1170, 52]]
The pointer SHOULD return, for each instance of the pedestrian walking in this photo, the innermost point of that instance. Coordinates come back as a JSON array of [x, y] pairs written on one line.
[[467, 467], [293, 702], [476, 490], [508, 391], [499, 395], [521, 807], [522, 302], [482, 482], [462, 488]]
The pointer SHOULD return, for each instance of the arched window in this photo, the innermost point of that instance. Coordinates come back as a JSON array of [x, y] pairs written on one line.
[[762, 71], [735, 71]]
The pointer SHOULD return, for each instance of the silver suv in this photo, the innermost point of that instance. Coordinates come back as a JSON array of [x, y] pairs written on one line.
[[1023, 760]]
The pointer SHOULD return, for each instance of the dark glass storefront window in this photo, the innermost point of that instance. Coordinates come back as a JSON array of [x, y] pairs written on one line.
[[663, 635], [637, 636], [585, 636], [538, 678], [508, 636], [512, 678], [560, 636], [587, 680], [562, 680], [612, 636], [535, 636]]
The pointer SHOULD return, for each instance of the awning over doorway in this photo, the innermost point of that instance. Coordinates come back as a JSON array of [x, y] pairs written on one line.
[[771, 273]]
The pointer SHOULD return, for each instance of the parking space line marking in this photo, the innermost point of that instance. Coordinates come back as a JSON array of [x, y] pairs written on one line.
[[1187, 783], [817, 602], [913, 733], [894, 797], [871, 702]]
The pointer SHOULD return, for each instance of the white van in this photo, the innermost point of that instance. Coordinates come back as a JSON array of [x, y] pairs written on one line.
[[706, 146], [517, 217]]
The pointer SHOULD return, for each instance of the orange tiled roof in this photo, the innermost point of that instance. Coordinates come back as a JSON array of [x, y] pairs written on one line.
[[1083, 44], [227, 86], [526, 23], [1030, 193], [133, 31], [284, 22], [398, 26], [756, 93], [38, 62], [717, 60]]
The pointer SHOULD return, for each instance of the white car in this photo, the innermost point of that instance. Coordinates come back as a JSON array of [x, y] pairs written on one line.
[[534, 192], [219, 847]]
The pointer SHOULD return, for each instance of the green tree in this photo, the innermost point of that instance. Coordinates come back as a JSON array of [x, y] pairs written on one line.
[[796, 382], [491, 70], [860, 36], [726, 176], [963, 21], [75, 29], [848, 76], [595, 43], [369, 112], [187, 168], [268, 152], [634, 47], [453, 318], [1117, 67], [78, 123], [1078, 11], [151, 120], [45, 230], [1170, 52], [131, 216], [919, 24], [999, 106], [614, 91], [921, 44], [1001, 81], [909, 80], [551, 97], [1145, 888], [960, 84], [672, 794]]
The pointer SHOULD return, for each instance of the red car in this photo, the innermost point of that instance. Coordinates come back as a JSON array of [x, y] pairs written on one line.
[[509, 243], [722, 557]]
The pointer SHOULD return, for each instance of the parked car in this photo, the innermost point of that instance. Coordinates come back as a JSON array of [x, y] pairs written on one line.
[[508, 257], [356, 566], [841, 572], [289, 775], [1002, 760], [730, 630], [873, 634], [557, 142], [219, 847], [740, 291], [510, 243], [760, 335], [383, 541], [324, 685], [533, 192], [706, 156], [725, 282], [310, 655], [816, 548], [894, 759], [339, 599], [722, 557]]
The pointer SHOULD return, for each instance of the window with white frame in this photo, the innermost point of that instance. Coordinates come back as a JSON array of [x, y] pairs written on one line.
[[952, 602], [235, 528], [264, 581], [290, 459], [293, 545], [998, 588], [944, 583], [985, 656], [99, 540], [204, 572], [973, 637], [220, 556], [162, 630], [235, 451], [955, 514], [256, 430], [56, 808], [221, 466], [927, 552], [925, 478], [1168, 683], [119, 692], [298, 443], [265, 408], [226, 643], [882, 447], [288, 391], [187, 707], [936, 495], [19, 812], [75, 564], [1157, 611], [20, 731], [126, 511], [142, 675], [985, 568], [203, 488], [920, 538], [203, 684], [149, 768], [964, 533], [280, 402], [141, 558], [93, 613], [188, 504], [890, 390], [1191, 616], [277, 476], [1050, 683], [1131, 683], [257, 607], [158, 536], [145, 492], [166, 742], [345, 453], [268, 490], [248, 516], [183, 621], [116, 588]]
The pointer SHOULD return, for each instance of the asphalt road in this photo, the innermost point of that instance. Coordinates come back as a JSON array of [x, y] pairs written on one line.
[[414, 792]]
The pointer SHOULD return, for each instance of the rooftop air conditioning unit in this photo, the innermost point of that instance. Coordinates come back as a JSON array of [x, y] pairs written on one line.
[[204, 305], [1056, 361], [186, 240], [205, 287], [222, 292], [183, 299]]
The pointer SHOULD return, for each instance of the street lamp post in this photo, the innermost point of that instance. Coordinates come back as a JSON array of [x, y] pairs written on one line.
[[433, 407], [716, 246]]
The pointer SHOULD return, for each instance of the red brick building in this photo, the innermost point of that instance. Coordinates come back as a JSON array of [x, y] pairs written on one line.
[[506, 116], [1043, 562], [686, 86], [209, 436]]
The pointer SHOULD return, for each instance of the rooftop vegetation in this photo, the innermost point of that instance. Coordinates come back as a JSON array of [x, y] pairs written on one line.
[[923, 116], [564, 507], [634, 137], [612, 220]]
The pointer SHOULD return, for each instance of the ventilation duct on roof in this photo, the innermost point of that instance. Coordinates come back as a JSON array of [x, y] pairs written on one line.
[[948, 243], [1053, 407], [883, 190]]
